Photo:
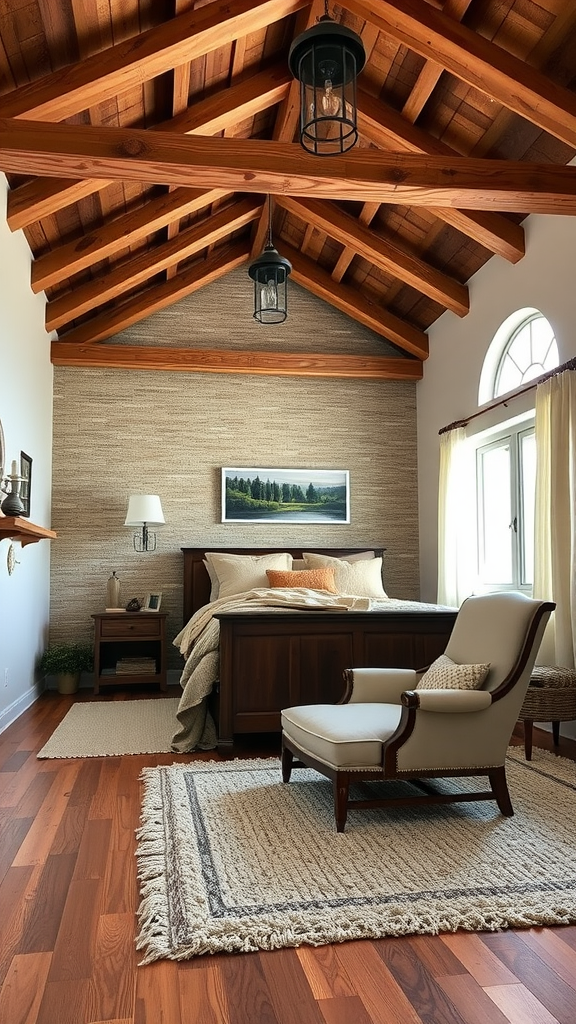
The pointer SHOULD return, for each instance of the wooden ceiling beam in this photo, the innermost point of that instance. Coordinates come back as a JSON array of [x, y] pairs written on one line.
[[267, 364], [158, 296], [131, 273], [431, 72], [125, 66], [389, 130], [227, 108], [117, 235], [380, 251], [475, 60], [360, 308], [272, 167]]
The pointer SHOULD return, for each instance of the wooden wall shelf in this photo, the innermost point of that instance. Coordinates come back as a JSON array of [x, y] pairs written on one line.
[[23, 530]]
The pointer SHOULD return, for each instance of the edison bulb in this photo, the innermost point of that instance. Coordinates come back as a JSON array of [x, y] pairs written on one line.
[[330, 103], [269, 296]]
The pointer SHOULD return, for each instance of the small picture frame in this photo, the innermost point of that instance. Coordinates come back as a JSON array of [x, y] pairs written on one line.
[[26, 485], [152, 602]]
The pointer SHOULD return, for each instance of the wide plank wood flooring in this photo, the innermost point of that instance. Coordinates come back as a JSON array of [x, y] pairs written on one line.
[[68, 896]]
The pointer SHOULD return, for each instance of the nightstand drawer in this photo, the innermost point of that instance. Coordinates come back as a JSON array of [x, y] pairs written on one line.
[[149, 626]]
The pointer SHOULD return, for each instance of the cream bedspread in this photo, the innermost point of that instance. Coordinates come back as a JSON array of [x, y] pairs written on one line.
[[199, 640]]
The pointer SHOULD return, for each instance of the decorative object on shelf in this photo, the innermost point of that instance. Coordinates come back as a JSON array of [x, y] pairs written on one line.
[[12, 504], [113, 593], [26, 485], [152, 602], [144, 510], [11, 560], [133, 605], [326, 60], [270, 271], [251, 495], [67, 661]]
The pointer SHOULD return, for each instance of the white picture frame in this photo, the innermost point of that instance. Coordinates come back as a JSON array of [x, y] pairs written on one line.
[[152, 602]]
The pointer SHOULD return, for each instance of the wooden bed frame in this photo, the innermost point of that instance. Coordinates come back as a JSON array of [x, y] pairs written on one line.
[[270, 661]]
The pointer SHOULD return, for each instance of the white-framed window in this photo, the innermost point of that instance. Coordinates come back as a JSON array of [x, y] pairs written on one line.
[[505, 482], [523, 348]]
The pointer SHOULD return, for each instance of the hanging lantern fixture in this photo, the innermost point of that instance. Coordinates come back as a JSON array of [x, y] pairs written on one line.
[[326, 60], [270, 271]]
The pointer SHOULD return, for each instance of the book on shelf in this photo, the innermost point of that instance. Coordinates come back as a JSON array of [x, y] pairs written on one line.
[[136, 666]]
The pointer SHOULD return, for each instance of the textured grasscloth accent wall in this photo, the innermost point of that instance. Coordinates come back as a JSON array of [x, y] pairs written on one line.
[[118, 433]]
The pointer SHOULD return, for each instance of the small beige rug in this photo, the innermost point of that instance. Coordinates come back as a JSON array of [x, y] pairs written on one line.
[[99, 729], [231, 859]]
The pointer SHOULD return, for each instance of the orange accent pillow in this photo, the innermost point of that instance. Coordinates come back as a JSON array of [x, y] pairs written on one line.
[[312, 579]]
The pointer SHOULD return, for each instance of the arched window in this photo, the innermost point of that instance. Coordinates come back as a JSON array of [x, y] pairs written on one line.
[[523, 348]]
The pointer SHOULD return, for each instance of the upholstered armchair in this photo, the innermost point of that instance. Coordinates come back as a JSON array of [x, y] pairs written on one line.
[[455, 719]]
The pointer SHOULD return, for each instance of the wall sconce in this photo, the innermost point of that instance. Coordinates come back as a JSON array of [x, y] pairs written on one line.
[[326, 60], [270, 271], [144, 510]]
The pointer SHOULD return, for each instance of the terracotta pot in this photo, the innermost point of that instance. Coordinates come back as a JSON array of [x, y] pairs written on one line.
[[68, 682]]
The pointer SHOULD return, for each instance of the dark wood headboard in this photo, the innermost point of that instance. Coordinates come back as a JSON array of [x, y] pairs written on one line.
[[197, 581]]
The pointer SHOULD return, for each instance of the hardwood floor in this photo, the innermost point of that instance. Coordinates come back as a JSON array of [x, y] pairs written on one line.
[[68, 896]]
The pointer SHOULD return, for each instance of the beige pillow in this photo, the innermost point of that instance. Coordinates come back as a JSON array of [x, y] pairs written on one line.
[[312, 579], [239, 573], [214, 585], [445, 674], [361, 579]]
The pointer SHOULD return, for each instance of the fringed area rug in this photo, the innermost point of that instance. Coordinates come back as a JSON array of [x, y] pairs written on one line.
[[98, 729], [231, 859]]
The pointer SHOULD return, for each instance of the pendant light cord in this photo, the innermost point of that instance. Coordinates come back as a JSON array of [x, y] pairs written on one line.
[[269, 219]]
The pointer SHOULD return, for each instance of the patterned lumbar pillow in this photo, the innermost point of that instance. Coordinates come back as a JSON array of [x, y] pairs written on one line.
[[312, 579], [445, 674]]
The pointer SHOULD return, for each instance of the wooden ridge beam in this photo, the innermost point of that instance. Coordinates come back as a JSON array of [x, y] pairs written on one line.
[[348, 300], [155, 297], [268, 364], [125, 66], [119, 234], [389, 130], [115, 283], [273, 167], [43, 196], [475, 60], [380, 251]]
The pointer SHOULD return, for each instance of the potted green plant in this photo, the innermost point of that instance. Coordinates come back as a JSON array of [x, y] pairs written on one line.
[[66, 661]]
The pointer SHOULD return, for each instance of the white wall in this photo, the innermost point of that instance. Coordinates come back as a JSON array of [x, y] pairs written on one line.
[[544, 278], [26, 415]]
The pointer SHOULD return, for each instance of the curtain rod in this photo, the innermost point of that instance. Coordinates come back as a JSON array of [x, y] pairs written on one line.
[[569, 365]]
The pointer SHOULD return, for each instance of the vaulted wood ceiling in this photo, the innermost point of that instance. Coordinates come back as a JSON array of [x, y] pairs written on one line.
[[141, 139]]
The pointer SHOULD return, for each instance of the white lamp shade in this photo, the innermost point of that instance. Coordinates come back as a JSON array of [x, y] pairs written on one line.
[[144, 508]]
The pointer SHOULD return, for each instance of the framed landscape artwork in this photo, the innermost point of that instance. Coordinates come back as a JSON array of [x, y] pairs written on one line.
[[254, 495]]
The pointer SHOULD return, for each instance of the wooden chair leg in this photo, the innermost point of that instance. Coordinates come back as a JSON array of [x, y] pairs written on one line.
[[528, 739], [556, 733], [341, 786], [287, 759], [499, 787]]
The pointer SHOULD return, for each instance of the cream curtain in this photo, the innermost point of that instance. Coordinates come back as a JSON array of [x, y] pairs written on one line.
[[554, 541], [456, 519]]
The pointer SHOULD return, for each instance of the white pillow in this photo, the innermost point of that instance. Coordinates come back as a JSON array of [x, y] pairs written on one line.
[[238, 573], [445, 674], [360, 556], [360, 579]]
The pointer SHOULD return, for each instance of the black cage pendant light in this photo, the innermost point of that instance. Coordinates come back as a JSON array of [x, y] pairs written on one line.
[[326, 60], [270, 271]]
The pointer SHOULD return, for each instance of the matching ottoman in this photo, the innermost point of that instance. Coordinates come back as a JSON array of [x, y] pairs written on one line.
[[551, 697]]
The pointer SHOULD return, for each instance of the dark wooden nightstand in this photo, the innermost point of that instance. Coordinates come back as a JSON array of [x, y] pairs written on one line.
[[121, 638]]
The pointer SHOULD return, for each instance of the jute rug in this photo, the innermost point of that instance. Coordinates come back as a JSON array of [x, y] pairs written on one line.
[[230, 858], [99, 729]]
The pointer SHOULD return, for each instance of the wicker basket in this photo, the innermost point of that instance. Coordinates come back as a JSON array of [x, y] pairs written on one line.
[[551, 696]]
